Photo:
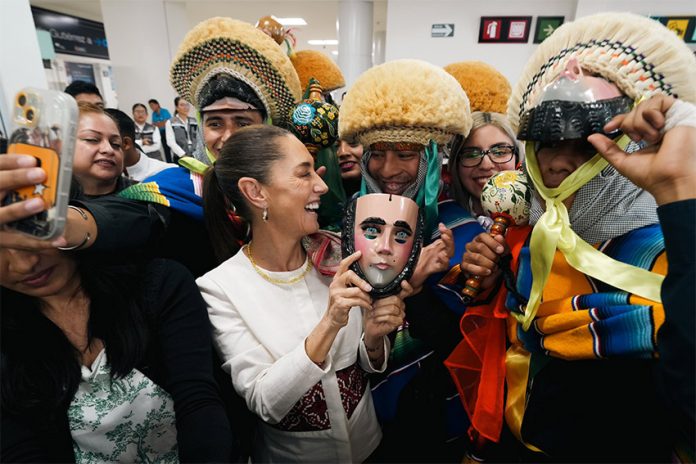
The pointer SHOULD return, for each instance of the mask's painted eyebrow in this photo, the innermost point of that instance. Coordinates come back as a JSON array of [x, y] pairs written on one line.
[[374, 220], [404, 225]]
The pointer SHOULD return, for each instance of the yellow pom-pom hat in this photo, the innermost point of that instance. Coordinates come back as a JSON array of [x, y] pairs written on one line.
[[224, 45], [488, 90], [314, 64], [406, 101]]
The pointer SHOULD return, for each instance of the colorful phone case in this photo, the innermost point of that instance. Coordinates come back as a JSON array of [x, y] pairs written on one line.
[[44, 126]]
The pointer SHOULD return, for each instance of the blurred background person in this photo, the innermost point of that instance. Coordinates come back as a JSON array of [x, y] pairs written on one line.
[[181, 131], [83, 91], [147, 135], [137, 166], [349, 156], [159, 117]]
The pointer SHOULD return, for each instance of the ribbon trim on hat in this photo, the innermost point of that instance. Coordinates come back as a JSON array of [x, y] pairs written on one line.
[[553, 231]]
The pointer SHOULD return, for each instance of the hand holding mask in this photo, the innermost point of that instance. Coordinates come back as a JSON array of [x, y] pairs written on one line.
[[387, 229]]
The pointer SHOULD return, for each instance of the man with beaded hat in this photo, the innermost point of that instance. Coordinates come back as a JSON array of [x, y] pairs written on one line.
[[582, 371], [234, 75], [403, 113]]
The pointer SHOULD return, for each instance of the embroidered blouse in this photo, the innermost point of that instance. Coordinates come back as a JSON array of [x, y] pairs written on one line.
[[306, 413]]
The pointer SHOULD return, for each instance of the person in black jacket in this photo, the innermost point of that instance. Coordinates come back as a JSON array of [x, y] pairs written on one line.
[[106, 362]]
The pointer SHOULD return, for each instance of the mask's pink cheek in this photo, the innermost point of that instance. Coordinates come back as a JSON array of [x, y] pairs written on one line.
[[365, 246], [401, 253]]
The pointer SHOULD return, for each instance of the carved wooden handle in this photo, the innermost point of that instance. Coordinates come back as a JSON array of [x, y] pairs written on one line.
[[472, 286]]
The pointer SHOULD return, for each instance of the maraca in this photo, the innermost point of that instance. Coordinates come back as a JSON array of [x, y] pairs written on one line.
[[506, 198]]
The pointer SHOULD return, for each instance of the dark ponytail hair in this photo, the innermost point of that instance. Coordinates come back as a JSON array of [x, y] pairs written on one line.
[[249, 152]]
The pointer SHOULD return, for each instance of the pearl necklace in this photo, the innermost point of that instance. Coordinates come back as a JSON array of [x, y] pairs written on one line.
[[271, 279]]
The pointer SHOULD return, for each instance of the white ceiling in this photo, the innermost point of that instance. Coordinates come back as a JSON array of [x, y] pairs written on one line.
[[320, 15]]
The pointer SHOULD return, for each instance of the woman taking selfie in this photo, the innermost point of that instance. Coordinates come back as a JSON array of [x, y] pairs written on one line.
[[106, 363]]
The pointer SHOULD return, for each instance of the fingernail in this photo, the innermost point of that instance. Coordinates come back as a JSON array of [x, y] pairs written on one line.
[[36, 175], [59, 242], [367, 288], [499, 249], [488, 272], [26, 161], [34, 205]]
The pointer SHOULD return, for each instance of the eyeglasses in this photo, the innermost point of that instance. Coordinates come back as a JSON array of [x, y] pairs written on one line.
[[470, 157]]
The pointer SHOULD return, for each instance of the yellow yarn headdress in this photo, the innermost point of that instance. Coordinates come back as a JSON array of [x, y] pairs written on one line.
[[314, 64], [225, 45], [404, 101], [488, 90]]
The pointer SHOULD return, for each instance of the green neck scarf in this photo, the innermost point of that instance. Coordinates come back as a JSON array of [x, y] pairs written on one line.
[[553, 231], [427, 194]]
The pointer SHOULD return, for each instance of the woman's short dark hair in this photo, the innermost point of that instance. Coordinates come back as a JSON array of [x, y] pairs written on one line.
[[139, 105], [249, 152]]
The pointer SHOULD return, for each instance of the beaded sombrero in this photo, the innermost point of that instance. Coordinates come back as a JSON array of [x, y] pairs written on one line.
[[638, 54], [225, 45]]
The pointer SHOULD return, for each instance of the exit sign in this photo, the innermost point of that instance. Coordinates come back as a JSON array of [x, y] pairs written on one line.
[[442, 30]]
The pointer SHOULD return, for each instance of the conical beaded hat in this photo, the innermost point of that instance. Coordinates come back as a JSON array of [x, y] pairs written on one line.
[[404, 101], [488, 90], [225, 45], [314, 64], [638, 54]]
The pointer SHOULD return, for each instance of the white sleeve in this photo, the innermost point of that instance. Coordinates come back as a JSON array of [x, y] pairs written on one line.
[[271, 387], [365, 362], [156, 140], [171, 140], [682, 113]]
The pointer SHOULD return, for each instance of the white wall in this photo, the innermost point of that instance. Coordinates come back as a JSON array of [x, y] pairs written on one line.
[[643, 7], [409, 23], [20, 58], [139, 49]]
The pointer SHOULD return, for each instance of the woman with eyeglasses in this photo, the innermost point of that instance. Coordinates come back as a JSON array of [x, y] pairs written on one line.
[[490, 148]]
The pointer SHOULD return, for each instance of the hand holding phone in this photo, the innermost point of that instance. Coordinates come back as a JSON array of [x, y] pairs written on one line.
[[44, 127]]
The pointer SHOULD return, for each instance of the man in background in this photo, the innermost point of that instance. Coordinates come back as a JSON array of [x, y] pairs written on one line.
[[137, 166], [160, 116], [83, 91], [146, 135]]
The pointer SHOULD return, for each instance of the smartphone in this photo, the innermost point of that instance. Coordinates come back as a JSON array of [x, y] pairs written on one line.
[[44, 125]]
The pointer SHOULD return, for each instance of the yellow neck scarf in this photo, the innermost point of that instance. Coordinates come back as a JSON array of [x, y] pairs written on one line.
[[553, 231]]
